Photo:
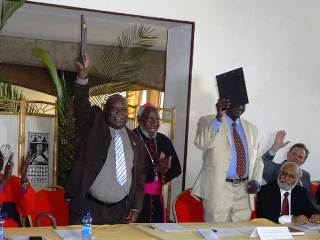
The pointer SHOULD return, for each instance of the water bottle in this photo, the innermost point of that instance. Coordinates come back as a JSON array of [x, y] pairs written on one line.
[[86, 230], [1, 226]]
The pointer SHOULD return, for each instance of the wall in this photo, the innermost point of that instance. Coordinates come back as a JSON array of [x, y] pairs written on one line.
[[35, 95], [276, 42]]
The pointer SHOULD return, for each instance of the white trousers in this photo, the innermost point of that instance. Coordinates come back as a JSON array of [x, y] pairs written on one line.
[[232, 205]]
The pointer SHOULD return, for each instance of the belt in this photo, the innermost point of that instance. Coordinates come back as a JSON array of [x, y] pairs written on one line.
[[90, 197], [236, 181]]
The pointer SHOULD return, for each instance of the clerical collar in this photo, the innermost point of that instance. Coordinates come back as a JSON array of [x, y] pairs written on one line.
[[145, 133]]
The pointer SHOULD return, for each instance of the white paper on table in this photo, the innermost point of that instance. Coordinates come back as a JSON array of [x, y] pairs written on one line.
[[208, 233], [310, 226], [23, 238], [74, 234], [273, 233], [234, 232], [169, 227]]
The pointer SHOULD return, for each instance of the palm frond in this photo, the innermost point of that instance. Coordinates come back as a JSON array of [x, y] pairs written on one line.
[[8, 7], [59, 83], [10, 98], [66, 138], [121, 63]]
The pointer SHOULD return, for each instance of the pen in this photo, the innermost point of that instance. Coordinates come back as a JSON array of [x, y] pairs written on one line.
[[152, 227]]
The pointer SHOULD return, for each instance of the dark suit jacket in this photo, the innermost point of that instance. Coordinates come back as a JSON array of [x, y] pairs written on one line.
[[318, 194], [271, 171], [93, 141], [269, 202]]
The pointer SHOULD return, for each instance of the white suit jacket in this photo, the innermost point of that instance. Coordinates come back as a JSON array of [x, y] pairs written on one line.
[[217, 156]]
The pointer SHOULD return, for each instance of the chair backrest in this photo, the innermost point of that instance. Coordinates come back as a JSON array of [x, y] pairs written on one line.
[[187, 208], [51, 200], [314, 187]]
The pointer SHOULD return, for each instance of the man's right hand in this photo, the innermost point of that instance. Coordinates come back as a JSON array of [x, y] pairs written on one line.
[[279, 141], [82, 68], [222, 105], [8, 168], [300, 219]]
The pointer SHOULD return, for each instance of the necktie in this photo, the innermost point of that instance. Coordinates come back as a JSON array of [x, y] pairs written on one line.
[[121, 172], [285, 205], [241, 156]]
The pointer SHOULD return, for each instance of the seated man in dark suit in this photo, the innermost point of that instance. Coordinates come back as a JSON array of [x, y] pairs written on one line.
[[298, 153], [284, 201], [318, 194]]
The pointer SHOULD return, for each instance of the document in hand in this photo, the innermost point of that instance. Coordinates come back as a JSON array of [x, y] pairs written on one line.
[[83, 42], [169, 227]]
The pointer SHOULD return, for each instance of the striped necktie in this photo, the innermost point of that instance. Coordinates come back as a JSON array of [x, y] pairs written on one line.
[[121, 172]]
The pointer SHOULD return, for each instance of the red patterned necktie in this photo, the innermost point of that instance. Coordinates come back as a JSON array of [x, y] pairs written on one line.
[[241, 156], [285, 205], [151, 144]]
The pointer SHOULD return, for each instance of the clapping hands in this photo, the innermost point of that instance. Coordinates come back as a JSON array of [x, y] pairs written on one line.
[[163, 164]]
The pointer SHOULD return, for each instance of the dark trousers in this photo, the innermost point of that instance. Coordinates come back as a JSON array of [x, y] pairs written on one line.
[[101, 213], [152, 211]]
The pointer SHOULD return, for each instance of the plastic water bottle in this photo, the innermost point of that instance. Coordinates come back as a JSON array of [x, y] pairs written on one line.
[[86, 230], [1, 226]]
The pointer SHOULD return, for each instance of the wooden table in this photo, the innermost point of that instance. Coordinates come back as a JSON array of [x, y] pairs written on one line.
[[139, 232]]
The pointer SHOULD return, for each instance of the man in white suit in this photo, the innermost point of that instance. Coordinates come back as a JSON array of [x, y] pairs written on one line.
[[224, 184], [232, 166]]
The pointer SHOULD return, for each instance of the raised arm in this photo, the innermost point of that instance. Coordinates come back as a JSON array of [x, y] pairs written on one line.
[[81, 93], [270, 168], [209, 126], [27, 193]]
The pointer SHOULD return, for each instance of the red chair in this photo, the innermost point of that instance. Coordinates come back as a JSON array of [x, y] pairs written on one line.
[[51, 208], [187, 208], [314, 187]]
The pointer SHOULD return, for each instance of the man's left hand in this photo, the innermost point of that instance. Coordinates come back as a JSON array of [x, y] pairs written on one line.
[[132, 216], [315, 219], [252, 186]]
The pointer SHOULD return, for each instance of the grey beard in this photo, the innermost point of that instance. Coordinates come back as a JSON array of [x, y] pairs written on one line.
[[146, 133], [284, 186]]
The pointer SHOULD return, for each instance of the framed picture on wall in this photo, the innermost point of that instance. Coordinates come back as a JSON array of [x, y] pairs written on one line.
[[39, 135]]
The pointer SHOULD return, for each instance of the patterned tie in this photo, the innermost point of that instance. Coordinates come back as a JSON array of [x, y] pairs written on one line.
[[241, 156], [151, 144], [285, 205], [121, 171]]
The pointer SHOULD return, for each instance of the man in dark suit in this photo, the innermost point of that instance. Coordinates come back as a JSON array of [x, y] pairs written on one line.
[[284, 201], [298, 153], [108, 173]]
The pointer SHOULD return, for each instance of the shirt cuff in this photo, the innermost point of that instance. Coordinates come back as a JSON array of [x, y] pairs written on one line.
[[215, 125], [135, 210], [81, 81], [285, 219]]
